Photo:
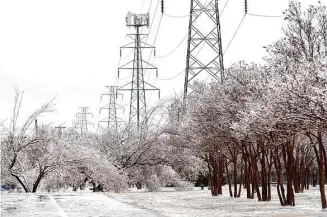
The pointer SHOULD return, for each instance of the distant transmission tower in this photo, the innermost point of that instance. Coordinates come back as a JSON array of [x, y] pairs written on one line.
[[204, 32], [82, 122], [60, 128], [138, 86], [112, 120]]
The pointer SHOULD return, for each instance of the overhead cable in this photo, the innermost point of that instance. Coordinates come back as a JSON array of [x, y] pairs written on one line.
[[262, 15], [235, 33], [176, 16], [164, 56], [168, 79]]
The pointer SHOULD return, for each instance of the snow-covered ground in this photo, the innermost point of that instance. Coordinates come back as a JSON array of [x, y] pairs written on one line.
[[199, 203], [68, 205], [145, 204]]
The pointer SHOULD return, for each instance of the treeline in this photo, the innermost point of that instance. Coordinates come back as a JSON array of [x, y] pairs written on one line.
[[264, 123], [38, 157]]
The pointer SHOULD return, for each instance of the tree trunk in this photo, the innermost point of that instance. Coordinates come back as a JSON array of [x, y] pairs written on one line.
[[288, 161], [12, 164], [228, 179], [221, 162], [210, 173], [269, 183], [37, 182], [247, 174], [241, 180], [25, 187], [322, 172], [235, 172], [263, 175], [280, 187]]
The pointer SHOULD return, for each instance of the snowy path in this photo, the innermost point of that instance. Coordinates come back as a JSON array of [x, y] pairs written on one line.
[[67, 205]]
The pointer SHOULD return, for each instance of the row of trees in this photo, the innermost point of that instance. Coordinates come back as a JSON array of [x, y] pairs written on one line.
[[266, 123]]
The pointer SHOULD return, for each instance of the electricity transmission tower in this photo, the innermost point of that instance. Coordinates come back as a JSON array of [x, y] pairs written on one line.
[[138, 86], [60, 129], [112, 119], [82, 121], [204, 32]]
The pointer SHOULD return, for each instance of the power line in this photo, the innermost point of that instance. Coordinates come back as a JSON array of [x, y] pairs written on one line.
[[155, 39], [168, 79], [176, 16], [267, 16], [257, 15], [155, 13], [151, 52], [150, 6], [246, 13], [164, 56], [125, 104], [154, 42], [148, 11], [235, 33], [222, 11]]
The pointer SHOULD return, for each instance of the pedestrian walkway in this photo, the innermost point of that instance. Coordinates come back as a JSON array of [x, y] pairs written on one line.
[[68, 205]]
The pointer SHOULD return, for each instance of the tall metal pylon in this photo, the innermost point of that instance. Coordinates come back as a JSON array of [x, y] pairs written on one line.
[[112, 120], [138, 86], [60, 129], [204, 31], [82, 122]]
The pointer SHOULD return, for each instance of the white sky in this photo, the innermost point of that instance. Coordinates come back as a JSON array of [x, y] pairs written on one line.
[[69, 49]]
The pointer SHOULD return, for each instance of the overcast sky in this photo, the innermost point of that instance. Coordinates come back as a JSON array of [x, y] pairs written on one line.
[[69, 49]]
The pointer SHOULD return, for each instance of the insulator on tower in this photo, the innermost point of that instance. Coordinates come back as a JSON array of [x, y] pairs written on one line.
[[246, 6], [162, 6]]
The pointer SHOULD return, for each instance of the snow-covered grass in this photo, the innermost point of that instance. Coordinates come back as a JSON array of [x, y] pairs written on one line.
[[74, 204], [199, 203], [166, 202]]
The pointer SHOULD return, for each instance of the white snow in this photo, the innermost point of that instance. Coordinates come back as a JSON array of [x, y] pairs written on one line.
[[200, 203], [167, 202], [60, 211], [68, 205]]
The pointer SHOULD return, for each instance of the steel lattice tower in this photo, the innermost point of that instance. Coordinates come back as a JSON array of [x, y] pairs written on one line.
[[138, 86], [60, 130], [212, 64], [82, 122], [112, 119]]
